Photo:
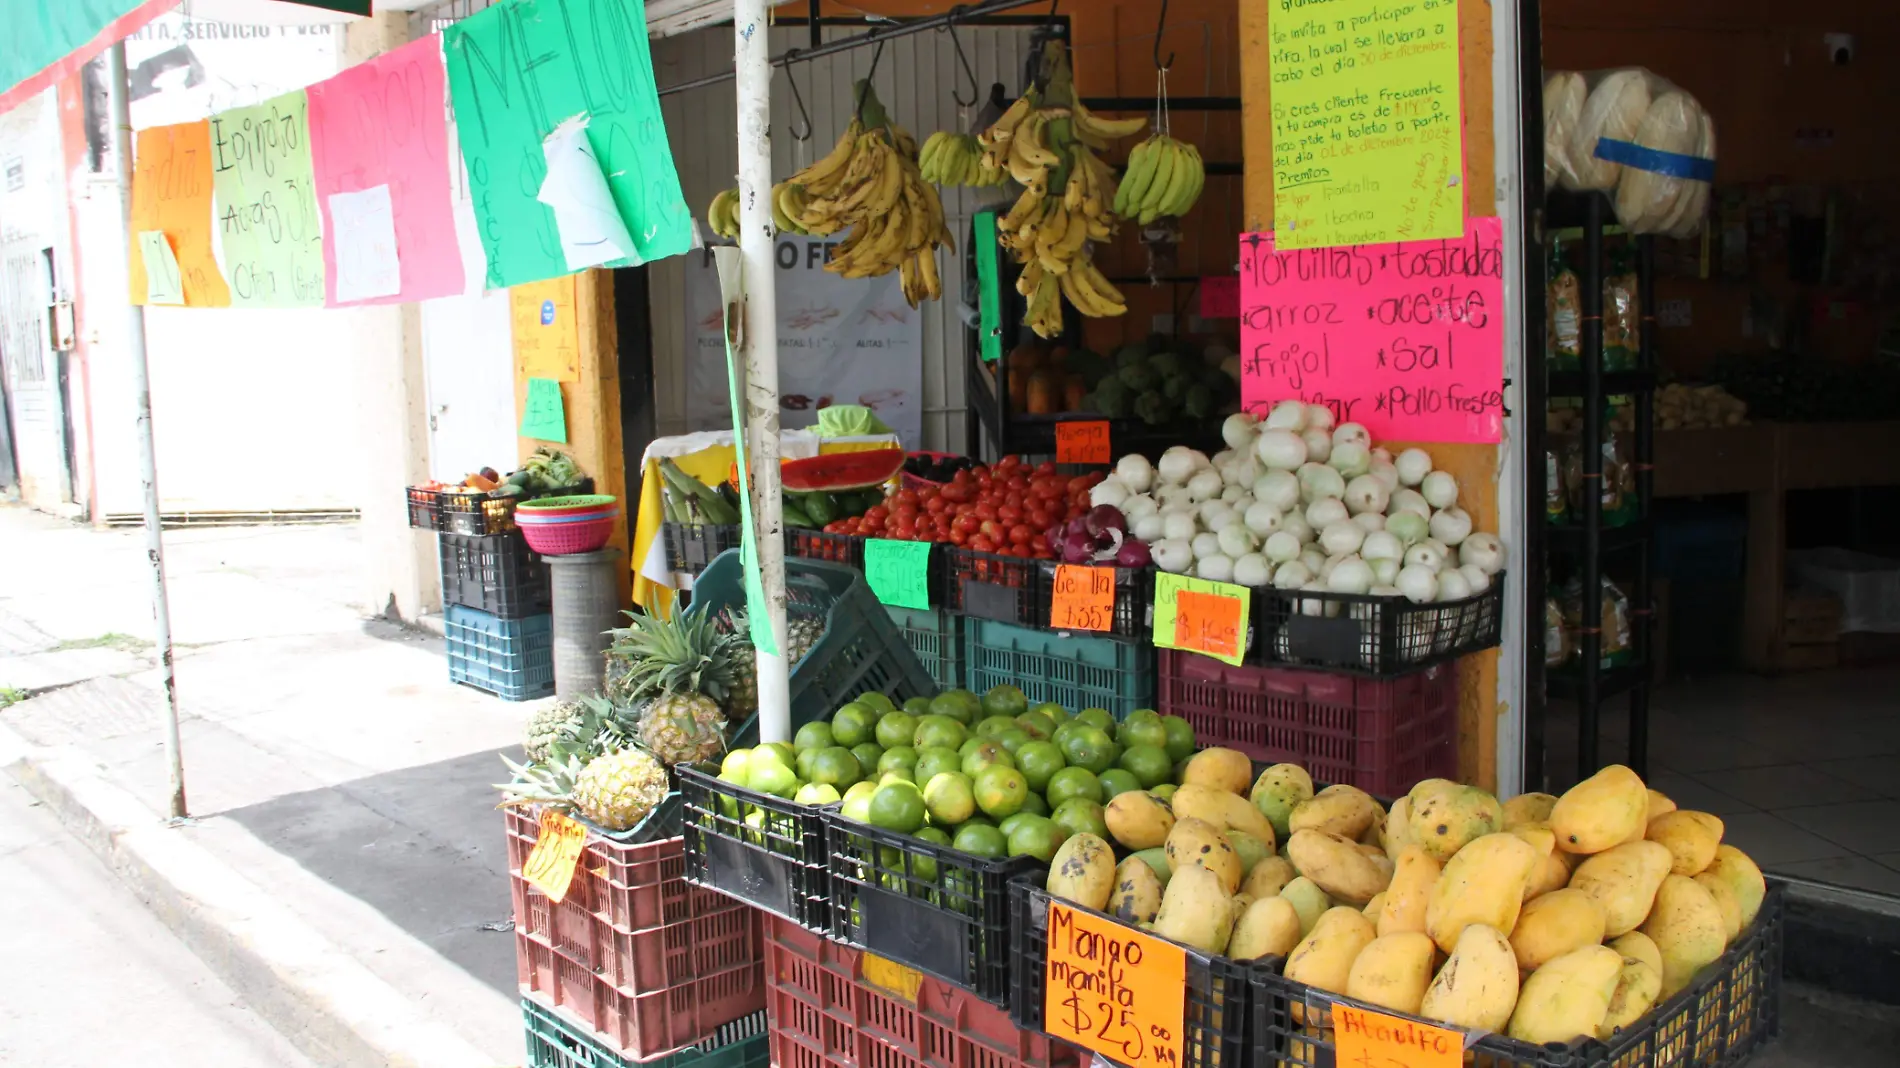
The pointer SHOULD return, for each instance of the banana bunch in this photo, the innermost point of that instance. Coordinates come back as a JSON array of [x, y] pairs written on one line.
[[871, 183], [957, 159], [723, 214], [788, 204], [1164, 178]]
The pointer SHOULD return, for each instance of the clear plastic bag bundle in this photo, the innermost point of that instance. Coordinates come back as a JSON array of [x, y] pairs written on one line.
[[1636, 137]]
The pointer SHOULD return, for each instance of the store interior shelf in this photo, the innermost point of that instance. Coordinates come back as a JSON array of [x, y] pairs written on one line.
[[1612, 383], [1567, 682], [1568, 538]]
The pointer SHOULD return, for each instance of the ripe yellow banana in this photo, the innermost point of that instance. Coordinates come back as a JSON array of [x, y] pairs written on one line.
[[819, 178], [1106, 129]]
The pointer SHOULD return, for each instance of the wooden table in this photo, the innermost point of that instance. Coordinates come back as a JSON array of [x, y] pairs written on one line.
[[1766, 460]]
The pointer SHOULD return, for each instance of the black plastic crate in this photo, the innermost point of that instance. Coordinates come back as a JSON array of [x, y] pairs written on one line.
[[1217, 1007], [1379, 637], [496, 573], [1728, 1012], [777, 864], [691, 546], [939, 910], [474, 513], [1008, 589], [1133, 617], [425, 508], [807, 544]]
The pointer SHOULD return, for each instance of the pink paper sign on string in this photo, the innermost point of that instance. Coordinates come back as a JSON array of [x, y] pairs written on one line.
[[385, 123], [1406, 339]]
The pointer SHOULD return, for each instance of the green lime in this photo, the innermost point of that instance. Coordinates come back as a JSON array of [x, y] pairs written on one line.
[[877, 702], [805, 757], [1040, 837], [897, 775], [917, 706], [902, 757], [1005, 701], [816, 793], [1118, 781], [1079, 814], [836, 766], [923, 867], [1091, 748], [1180, 733], [1039, 761], [895, 729], [969, 744], [897, 806], [861, 788], [991, 726], [853, 725], [1070, 783], [732, 769], [785, 753], [1009, 823], [952, 706], [868, 754], [1142, 727], [1039, 726], [950, 798], [999, 790], [1096, 717], [1148, 763], [935, 730], [1066, 731], [1165, 791], [986, 754], [981, 840], [1014, 738], [813, 736], [770, 777], [858, 809], [1056, 713], [1035, 805], [934, 761]]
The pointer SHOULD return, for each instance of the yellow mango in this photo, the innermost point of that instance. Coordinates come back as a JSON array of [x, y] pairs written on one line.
[[1446, 820], [1227, 770], [1553, 925], [1409, 892], [1268, 877], [1690, 837], [1528, 808], [1623, 880], [1195, 910], [1553, 871], [1195, 842], [1277, 791], [1393, 971], [1251, 850], [1323, 959], [1228, 812], [1733, 867], [1337, 866], [1567, 997], [1308, 900], [1686, 925], [1398, 829], [1083, 871], [1601, 811], [1375, 907], [1724, 901], [1269, 928], [1637, 985], [1638, 945], [1138, 819], [1484, 884], [1344, 810], [1477, 986], [1137, 893]]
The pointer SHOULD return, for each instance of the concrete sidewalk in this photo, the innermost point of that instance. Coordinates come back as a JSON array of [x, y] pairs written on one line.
[[339, 784]]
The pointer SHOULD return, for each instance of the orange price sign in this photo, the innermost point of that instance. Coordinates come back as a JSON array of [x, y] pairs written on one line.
[[1366, 1039], [1083, 442], [550, 864], [1114, 989], [1083, 598], [1201, 616]]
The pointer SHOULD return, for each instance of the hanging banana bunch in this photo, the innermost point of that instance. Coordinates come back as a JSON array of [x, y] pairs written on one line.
[[1164, 176], [723, 214], [957, 159]]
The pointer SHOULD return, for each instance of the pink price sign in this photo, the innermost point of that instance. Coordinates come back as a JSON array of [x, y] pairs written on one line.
[[1405, 338]]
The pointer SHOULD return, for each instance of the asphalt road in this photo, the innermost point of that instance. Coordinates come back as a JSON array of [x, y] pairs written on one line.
[[93, 979]]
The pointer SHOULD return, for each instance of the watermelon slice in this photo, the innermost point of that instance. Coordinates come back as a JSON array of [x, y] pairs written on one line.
[[841, 471]]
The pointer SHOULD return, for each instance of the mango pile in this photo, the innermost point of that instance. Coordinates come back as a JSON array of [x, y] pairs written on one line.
[[1544, 918]]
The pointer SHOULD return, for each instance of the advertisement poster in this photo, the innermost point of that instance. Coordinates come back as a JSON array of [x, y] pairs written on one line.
[[840, 341]]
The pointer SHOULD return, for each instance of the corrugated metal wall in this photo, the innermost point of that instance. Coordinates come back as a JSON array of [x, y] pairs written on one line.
[[914, 79]]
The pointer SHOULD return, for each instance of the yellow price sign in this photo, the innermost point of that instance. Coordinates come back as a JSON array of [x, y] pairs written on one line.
[[1201, 616], [1366, 1039], [550, 864], [1114, 990]]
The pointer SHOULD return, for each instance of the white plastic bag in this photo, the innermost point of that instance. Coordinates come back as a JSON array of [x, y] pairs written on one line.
[[1635, 136]]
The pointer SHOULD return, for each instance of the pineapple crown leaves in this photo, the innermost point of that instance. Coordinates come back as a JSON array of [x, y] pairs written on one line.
[[686, 653], [549, 783]]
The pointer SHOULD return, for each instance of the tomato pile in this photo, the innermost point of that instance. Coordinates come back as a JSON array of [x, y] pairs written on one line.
[[1008, 509]]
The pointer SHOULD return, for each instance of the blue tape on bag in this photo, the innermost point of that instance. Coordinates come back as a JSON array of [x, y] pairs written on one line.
[[1673, 164]]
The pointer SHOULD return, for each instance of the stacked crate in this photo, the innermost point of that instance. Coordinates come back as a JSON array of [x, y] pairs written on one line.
[[496, 600]]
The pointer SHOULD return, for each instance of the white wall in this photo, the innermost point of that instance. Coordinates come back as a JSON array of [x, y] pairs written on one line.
[[32, 223]]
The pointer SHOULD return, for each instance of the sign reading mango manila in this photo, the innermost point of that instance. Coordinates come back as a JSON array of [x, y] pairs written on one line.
[[518, 70]]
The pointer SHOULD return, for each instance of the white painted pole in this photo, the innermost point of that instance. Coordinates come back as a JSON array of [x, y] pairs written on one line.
[[758, 346], [148, 455]]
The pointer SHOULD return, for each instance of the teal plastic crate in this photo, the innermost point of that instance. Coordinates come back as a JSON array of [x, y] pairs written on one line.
[[556, 1042], [1075, 672], [510, 658], [936, 637]]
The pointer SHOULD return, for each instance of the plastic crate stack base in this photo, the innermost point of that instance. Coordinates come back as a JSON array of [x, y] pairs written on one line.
[[644, 962], [1074, 671], [778, 865], [1382, 736], [936, 636], [510, 658], [554, 1042], [496, 574], [835, 1007]]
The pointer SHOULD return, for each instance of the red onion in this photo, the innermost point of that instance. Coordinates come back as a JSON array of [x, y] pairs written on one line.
[[1103, 518], [1133, 554], [1077, 547], [1108, 545], [1079, 525]]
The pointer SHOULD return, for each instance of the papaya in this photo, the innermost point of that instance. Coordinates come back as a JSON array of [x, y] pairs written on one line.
[[1601, 811]]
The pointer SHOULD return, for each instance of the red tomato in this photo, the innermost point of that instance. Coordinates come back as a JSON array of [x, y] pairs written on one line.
[[903, 497], [936, 505], [1019, 535], [1079, 482], [878, 512], [982, 544], [965, 524], [1047, 467], [985, 511], [992, 529], [1008, 462], [1011, 512]]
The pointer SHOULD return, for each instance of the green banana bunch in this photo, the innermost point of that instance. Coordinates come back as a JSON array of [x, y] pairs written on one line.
[[956, 159], [1164, 178], [723, 214]]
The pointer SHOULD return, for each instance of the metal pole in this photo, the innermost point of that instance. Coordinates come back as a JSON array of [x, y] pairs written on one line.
[[758, 347], [148, 454]]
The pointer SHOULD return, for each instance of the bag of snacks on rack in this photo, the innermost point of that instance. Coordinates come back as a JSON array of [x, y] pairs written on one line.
[[1622, 315], [1639, 138], [1613, 650], [1557, 645], [1619, 503], [1563, 317]]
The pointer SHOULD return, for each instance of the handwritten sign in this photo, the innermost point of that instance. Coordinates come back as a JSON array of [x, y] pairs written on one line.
[[547, 336], [362, 230], [1363, 1037], [542, 415], [1201, 616], [1368, 139], [1114, 990], [1220, 296], [171, 192], [383, 123], [519, 70], [163, 284], [557, 850], [1406, 339], [898, 571], [1082, 598], [1083, 442], [267, 204]]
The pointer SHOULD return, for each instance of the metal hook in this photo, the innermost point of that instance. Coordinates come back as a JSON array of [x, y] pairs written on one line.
[[950, 24], [876, 56], [1161, 26], [791, 58]]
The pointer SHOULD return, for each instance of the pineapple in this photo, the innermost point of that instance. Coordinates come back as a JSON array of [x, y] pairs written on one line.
[[549, 725], [550, 783], [681, 668], [801, 633], [617, 791]]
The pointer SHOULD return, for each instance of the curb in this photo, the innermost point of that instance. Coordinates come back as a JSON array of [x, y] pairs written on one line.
[[325, 1002]]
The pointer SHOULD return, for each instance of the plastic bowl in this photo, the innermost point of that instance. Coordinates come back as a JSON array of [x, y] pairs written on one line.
[[569, 505], [537, 520], [566, 539]]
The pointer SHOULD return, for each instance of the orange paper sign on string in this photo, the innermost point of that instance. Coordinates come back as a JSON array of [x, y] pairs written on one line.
[[1366, 1039], [1084, 442], [1082, 598], [1114, 990], [550, 865]]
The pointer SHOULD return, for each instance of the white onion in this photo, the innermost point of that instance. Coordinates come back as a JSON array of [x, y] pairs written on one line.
[[1350, 459], [1213, 514], [1317, 480], [1281, 489], [1381, 545], [1352, 432], [1476, 577], [1178, 464], [1242, 470], [1135, 472], [1295, 523], [1312, 558], [1452, 585], [1253, 570], [1216, 568], [1385, 589], [1281, 547], [1384, 571], [1484, 551], [1413, 465], [1137, 506], [1409, 500], [1222, 458], [1239, 431], [1439, 489], [1261, 518], [1236, 541], [1352, 575], [1319, 444], [1342, 537], [1205, 544], [1443, 550], [1326, 569], [1319, 417], [1366, 494], [1172, 554], [1233, 494], [1292, 575], [1316, 606], [1149, 528], [1108, 491], [1179, 525], [1408, 527], [1384, 472], [1168, 493], [1425, 554], [1418, 584], [1204, 485], [1380, 452], [1326, 511], [1280, 449], [1370, 520], [1287, 415], [1451, 525]]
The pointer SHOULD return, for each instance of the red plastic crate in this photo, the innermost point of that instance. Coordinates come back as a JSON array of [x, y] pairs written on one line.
[[644, 959], [826, 1013], [1382, 736]]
